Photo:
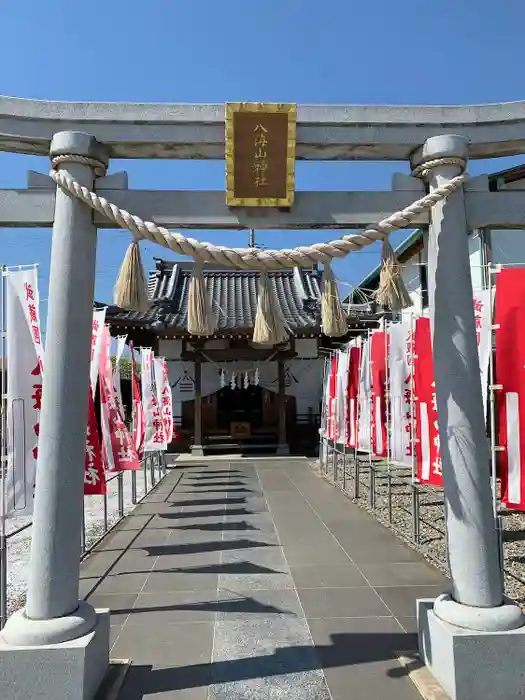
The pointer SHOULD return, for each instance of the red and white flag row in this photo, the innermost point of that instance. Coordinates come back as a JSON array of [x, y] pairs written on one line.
[[110, 448], [380, 391]]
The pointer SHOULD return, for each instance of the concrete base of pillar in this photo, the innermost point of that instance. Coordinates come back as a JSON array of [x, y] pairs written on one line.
[[71, 670], [197, 451], [283, 449], [471, 665]]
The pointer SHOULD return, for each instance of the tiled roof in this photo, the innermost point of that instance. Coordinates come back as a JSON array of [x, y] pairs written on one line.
[[234, 299], [233, 294]]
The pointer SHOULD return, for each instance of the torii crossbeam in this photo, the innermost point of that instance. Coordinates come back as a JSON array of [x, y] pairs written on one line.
[[437, 139]]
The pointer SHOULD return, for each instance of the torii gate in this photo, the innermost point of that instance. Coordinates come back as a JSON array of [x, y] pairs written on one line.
[[469, 638]]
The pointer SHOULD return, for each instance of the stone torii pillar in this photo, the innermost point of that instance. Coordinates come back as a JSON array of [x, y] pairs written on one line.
[[472, 639], [57, 647]]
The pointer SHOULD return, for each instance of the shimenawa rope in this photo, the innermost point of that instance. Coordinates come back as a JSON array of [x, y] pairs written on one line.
[[391, 293]]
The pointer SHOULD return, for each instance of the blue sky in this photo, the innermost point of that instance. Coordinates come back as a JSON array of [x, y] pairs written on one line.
[[336, 51]]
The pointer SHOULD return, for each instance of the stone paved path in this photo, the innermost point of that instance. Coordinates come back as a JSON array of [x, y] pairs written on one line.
[[257, 579]]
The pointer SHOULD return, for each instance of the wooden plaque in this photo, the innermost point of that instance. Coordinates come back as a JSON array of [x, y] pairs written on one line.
[[239, 429], [260, 154]]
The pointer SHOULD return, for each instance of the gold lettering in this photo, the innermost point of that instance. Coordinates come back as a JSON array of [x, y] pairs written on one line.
[[260, 166], [259, 169]]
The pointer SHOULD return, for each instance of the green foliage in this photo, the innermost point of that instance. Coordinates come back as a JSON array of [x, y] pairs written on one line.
[[125, 368]]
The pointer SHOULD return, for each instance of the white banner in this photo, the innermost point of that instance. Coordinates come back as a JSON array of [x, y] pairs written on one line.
[[118, 451], [158, 373], [99, 317], [401, 404], [146, 379], [24, 389], [364, 400], [121, 344], [483, 316], [326, 396], [167, 404], [154, 431], [341, 396], [105, 423]]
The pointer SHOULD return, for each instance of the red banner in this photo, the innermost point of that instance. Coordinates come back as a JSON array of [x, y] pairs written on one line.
[[331, 400], [138, 412], [378, 352], [94, 479], [427, 436], [510, 374], [354, 365], [118, 450]]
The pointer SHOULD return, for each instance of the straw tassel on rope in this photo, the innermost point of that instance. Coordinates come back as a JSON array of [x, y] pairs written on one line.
[[201, 320], [391, 293], [130, 289], [332, 315], [270, 328]]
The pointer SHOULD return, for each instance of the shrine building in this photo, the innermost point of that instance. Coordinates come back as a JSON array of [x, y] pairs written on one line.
[[229, 394]]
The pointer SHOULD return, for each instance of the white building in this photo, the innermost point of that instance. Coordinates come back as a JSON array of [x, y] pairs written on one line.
[[487, 246]]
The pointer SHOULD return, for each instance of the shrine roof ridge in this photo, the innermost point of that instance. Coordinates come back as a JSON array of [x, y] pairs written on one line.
[[233, 293], [324, 132]]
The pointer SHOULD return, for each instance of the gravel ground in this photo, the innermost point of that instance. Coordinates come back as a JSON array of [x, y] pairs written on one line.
[[19, 543], [400, 516]]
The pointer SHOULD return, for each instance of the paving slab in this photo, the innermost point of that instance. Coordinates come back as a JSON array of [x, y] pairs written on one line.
[[254, 578]]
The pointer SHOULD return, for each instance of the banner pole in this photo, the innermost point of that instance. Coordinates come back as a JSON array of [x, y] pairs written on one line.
[[493, 436], [3, 457], [388, 425], [492, 395], [345, 412], [412, 360], [371, 472], [415, 491], [357, 421], [133, 422]]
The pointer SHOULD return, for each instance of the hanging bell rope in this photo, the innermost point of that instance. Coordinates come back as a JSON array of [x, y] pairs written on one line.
[[332, 315], [270, 328]]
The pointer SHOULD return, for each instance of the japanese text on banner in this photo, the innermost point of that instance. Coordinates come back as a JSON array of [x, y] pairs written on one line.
[[97, 328], [158, 422], [138, 413], [94, 478], [118, 449], [24, 392], [154, 429], [167, 404]]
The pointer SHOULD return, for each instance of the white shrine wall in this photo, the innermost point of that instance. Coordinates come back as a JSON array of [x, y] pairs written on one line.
[[303, 375], [411, 268], [411, 274], [507, 246]]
